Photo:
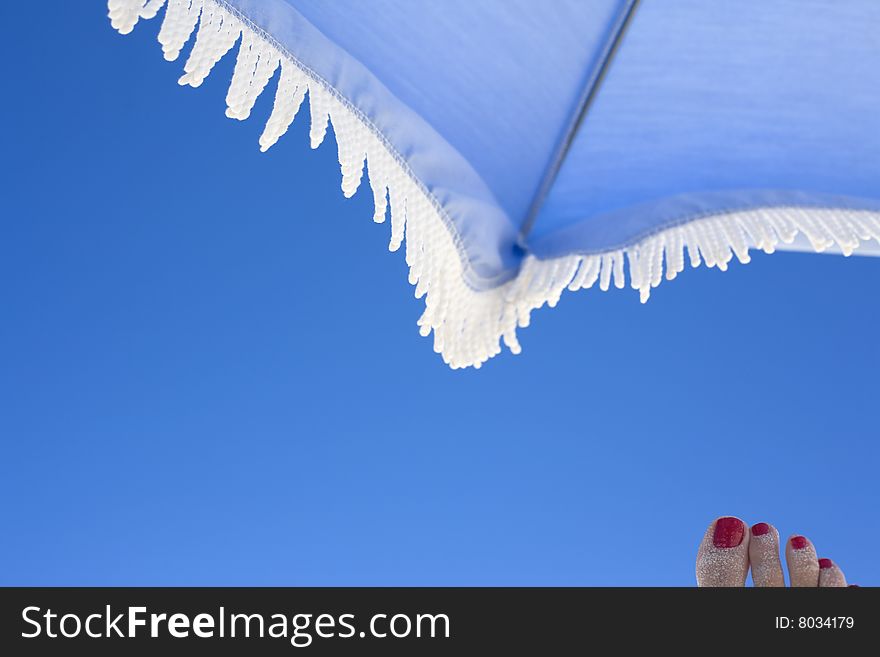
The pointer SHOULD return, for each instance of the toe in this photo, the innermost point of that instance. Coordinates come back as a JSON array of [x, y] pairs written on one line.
[[803, 566], [764, 556], [723, 556], [830, 574]]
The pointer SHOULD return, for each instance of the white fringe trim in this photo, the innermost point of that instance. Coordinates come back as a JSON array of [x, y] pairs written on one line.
[[467, 324]]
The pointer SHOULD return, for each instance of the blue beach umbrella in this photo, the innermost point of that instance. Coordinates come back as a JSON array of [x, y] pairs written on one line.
[[527, 147]]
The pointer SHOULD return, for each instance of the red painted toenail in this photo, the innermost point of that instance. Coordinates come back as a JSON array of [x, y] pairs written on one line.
[[825, 563], [799, 542], [760, 529], [728, 532]]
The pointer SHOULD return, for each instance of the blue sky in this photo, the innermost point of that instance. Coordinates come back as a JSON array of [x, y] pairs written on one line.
[[211, 372]]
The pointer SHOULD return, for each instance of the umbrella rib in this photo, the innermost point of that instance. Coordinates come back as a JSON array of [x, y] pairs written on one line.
[[588, 95]]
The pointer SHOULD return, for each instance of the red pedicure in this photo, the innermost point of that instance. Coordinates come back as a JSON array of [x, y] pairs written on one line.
[[799, 542], [728, 533], [760, 529], [825, 563]]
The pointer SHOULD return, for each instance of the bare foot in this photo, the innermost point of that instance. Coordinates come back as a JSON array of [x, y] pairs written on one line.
[[730, 548]]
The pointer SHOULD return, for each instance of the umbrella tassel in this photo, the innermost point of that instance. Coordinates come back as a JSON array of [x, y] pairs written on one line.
[[617, 268], [378, 182], [587, 274], [646, 263], [214, 39], [319, 113], [556, 282], [657, 266], [288, 99], [724, 254], [124, 14], [736, 239], [690, 241], [351, 150], [759, 234], [151, 8], [398, 218], [674, 255], [181, 17], [846, 239], [565, 274], [256, 63], [783, 226], [605, 272], [858, 228], [711, 255], [818, 237], [870, 226]]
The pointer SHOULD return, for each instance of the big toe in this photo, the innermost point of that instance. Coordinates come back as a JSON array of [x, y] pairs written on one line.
[[723, 556]]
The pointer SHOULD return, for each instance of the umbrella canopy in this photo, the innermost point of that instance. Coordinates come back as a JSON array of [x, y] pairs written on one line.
[[524, 148]]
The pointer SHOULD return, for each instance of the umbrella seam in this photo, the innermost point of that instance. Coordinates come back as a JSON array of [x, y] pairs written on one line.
[[585, 101]]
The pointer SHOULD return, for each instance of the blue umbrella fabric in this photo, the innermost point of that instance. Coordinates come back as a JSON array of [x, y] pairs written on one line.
[[523, 148]]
